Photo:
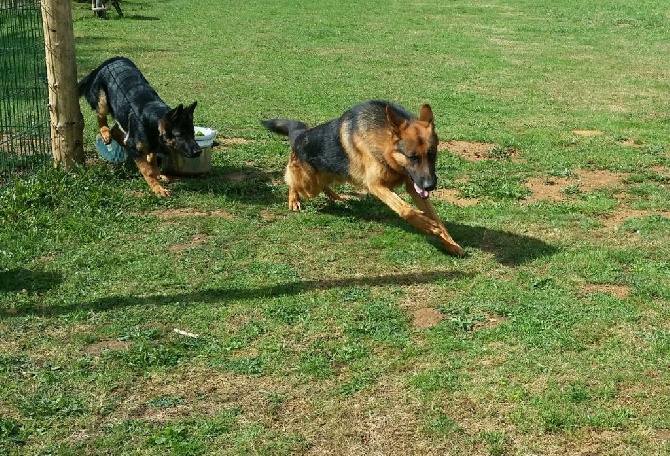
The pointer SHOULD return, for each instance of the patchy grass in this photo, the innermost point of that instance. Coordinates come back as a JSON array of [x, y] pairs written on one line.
[[342, 330]]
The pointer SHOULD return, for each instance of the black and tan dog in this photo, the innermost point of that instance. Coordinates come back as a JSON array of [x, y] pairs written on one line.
[[375, 145], [145, 125]]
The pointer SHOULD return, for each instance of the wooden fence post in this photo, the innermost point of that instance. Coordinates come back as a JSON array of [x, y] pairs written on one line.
[[67, 122]]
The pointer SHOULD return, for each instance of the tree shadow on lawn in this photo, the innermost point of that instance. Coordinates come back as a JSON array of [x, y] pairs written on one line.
[[245, 183], [31, 281], [509, 249], [218, 295]]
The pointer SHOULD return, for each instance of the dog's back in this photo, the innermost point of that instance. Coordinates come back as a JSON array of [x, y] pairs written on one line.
[[328, 146], [127, 90]]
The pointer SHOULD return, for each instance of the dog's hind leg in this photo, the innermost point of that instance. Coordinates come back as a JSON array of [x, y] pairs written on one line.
[[301, 179], [103, 112], [118, 135]]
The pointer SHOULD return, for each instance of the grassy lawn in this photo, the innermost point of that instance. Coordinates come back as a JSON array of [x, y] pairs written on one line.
[[341, 329]]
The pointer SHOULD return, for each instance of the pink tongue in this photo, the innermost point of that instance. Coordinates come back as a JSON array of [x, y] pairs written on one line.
[[422, 193]]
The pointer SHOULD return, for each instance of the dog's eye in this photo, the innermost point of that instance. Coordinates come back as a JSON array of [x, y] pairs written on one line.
[[414, 158]]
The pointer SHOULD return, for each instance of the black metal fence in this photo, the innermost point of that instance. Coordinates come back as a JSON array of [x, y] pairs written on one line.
[[24, 98]]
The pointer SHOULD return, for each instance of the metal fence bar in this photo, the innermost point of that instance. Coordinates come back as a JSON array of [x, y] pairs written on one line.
[[24, 113]]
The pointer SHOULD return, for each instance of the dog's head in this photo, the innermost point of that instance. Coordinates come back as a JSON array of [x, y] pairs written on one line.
[[415, 147], [177, 133]]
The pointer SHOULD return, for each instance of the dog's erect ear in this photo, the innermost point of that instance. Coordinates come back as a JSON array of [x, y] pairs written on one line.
[[426, 114], [396, 121], [189, 111], [173, 115]]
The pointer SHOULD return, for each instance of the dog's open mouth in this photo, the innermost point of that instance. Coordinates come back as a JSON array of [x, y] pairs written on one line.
[[422, 193]]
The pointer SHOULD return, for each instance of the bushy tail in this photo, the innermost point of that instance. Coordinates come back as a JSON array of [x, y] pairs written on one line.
[[290, 128], [84, 84]]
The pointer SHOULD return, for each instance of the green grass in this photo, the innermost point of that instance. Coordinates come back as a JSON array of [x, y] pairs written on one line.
[[553, 334]]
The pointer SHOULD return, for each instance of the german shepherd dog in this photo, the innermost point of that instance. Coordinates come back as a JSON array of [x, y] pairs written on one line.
[[145, 125], [376, 146]]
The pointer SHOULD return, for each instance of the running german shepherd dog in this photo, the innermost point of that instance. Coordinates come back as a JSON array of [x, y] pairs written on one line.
[[145, 125], [376, 146]]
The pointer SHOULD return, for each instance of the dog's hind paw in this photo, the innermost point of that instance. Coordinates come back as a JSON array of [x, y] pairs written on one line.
[[294, 202], [295, 206], [161, 191]]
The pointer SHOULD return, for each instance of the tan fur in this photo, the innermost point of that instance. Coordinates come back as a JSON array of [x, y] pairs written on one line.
[[147, 163], [102, 111]]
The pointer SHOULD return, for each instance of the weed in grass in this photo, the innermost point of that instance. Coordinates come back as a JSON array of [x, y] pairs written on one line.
[[250, 366], [577, 392], [495, 442], [287, 312], [144, 356], [497, 186], [658, 340], [358, 382], [49, 403], [315, 365], [12, 432], [441, 424], [441, 379], [166, 401], [380, 321]]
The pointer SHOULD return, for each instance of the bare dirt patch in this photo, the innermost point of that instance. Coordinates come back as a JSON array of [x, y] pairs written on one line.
[[103, 345], [630, 143], [196, 240], [452, 196], [269, 215], [202, 392], [591, 180], [426, 317], [491, 322], [478, 151], [553, 188], [587, 132], [45, 259], [226, 142], [168, 214], [661, 170], [618, 291], [550, 189], [471, 151], [621, 215], [235, 177]]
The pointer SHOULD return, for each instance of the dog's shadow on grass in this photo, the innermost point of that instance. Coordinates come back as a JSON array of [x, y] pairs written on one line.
[[245, 183], [260, 187], [508, 248], [31, 281], [219, 295]]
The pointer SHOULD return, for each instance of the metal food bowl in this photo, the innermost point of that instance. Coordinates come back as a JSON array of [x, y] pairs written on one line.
[[176, 163]]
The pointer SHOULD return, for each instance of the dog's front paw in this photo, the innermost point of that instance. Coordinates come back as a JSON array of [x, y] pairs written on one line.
[[106, 135], [163, 178], [454, 249]]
